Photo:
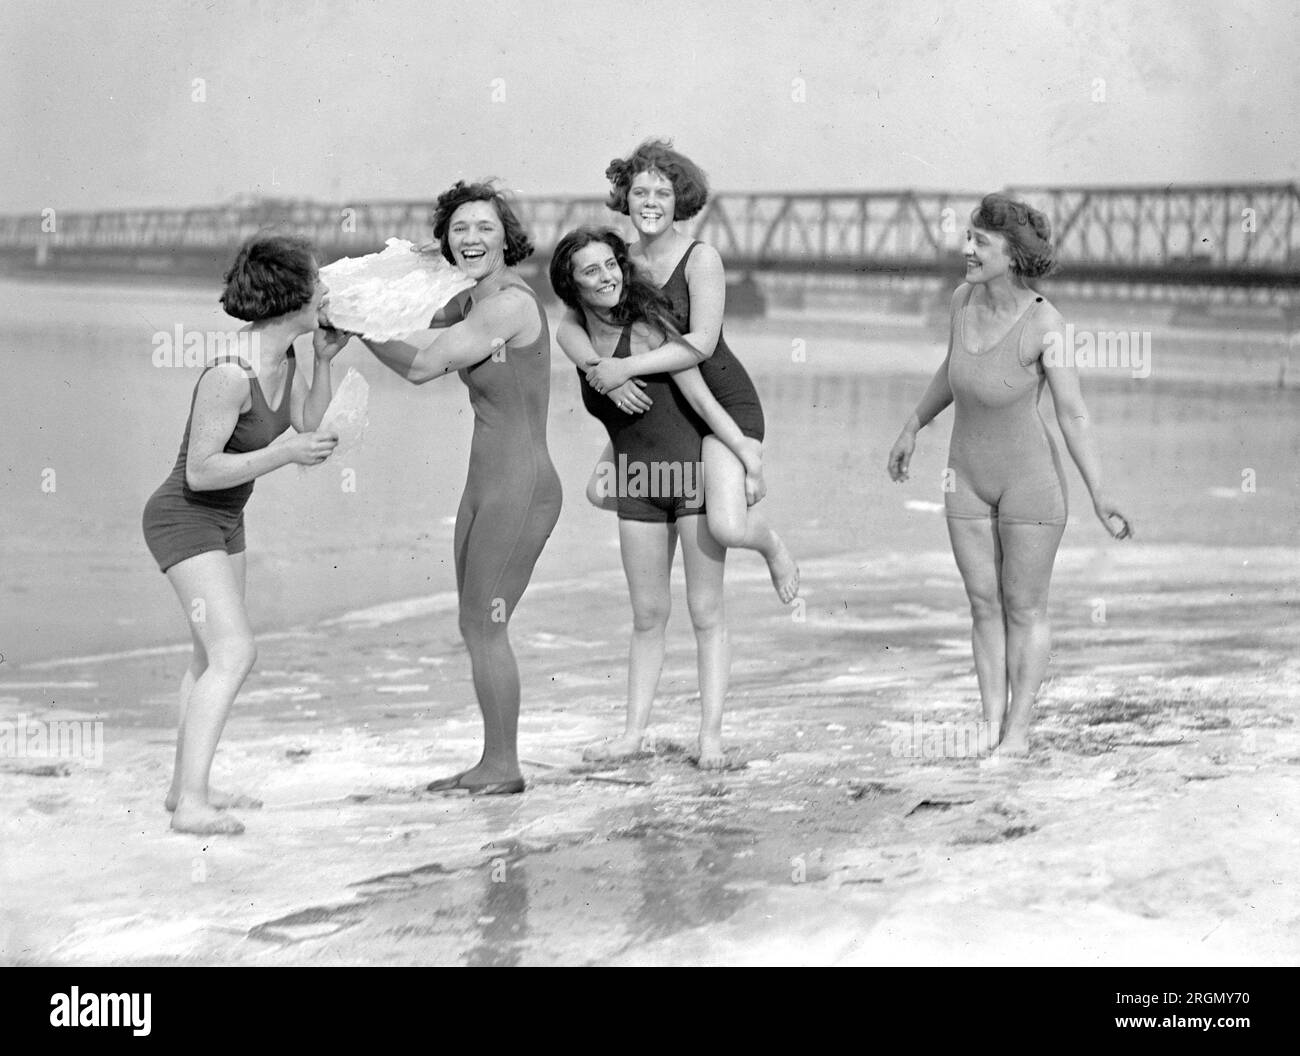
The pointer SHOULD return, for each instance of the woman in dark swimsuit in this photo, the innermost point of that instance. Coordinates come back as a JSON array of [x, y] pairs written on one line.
[[194, 522], [654, 187], [626, 316], [498, 341], [1004, 487]]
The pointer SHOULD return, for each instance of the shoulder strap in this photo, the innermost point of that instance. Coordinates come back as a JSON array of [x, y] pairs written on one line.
[[687, 255]]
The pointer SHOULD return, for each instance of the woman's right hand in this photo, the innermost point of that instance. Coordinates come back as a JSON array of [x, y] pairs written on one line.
[[311, 449], [629, 398], [900, 456]]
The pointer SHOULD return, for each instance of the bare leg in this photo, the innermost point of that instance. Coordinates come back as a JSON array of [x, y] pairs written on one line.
[[1029, 552], [647, 548], [705, 562], [197, 665], [978, 551], [738, 526], [600, 490], [211, 594]]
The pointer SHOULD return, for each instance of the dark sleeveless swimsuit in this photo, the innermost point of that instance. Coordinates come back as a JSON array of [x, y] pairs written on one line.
[[658, 475], [180, 523], [1003, 463], [723, 373]]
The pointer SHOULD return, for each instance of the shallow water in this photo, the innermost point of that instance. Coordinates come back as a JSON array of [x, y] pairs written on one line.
[[91, 427]]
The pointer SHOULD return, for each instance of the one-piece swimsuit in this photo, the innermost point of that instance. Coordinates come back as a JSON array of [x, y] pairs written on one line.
[[657, 474], [1002, 460], [724, 374], [179, 522]]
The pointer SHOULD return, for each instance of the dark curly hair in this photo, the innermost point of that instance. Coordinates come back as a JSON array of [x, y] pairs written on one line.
[[272, 275], [1027, 230], [518, 245], [640, 300], [690, 185]]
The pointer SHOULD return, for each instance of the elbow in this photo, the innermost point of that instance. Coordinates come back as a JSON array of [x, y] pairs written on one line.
[[196, 481]]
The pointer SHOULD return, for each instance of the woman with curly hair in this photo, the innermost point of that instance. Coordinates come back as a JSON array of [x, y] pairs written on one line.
[[655, 186], [1004, 488], [659, 499], [194, 523], [497, 339]]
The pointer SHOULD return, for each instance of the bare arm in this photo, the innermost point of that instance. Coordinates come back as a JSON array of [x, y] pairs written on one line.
[[426, 354], [307, 405], [937, 396], [1076, 428], [707, 281], [575, 343], [701, 398], [217, 405]]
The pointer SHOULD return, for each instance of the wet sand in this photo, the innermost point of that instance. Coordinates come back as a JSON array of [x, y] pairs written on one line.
[[1155, 821]]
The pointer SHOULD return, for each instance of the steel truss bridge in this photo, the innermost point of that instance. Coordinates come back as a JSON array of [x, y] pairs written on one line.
[[1225, 242]]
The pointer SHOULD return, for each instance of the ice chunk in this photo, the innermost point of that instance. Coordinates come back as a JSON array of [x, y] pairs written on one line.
[[346, 414], [384, 295]]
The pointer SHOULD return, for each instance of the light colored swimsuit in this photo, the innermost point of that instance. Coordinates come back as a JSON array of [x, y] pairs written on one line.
[[1002, 461]]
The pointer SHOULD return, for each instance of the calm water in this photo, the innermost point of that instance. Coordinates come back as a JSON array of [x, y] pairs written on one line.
[[91, 427]]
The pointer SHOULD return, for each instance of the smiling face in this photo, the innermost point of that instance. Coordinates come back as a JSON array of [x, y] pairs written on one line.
[[651, 203], [597, 276], [986, 255], [477, 239]]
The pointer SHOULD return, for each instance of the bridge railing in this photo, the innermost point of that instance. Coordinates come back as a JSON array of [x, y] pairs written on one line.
[[1238, 229]]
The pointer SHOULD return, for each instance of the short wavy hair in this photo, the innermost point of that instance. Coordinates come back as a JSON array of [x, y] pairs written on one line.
[[272, 275], [1027, 230], [518, 245], [690, 185], [640, 300]]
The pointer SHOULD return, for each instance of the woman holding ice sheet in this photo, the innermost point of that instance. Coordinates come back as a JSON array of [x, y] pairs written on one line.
[[501, 348]]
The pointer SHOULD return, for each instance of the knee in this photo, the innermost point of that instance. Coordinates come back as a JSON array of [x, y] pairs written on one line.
[[233, 656], [707, 613], [594, 489], [985, 604], [1025, 612], [476, 627], [651, 616], [728, 531]]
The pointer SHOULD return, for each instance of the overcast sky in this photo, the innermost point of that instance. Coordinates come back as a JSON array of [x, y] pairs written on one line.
[[354, 99]]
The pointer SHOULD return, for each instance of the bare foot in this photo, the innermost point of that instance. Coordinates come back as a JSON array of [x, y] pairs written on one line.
[[204, 820], [629, 746], [220, 800], [785, 574], [1013, 749], [1013, 745], [709, 754]]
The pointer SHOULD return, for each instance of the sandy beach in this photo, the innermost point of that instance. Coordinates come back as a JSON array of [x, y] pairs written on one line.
[[1155, 822]]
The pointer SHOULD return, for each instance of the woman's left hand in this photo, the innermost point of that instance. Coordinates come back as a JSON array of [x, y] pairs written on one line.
[[1108, 514], [606, 375], [755, 487], [327, 342]]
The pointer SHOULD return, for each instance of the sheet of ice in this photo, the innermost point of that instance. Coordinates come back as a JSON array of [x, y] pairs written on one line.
[[346, 414], [386, 294]]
